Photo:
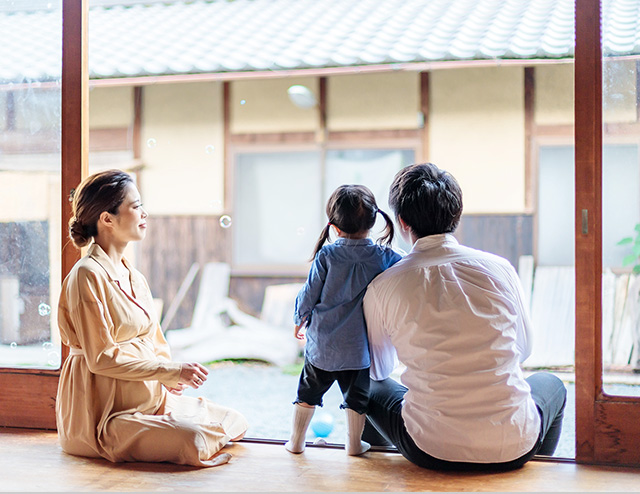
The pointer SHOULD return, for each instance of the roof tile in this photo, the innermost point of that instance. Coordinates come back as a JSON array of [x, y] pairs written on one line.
[[151, 37]]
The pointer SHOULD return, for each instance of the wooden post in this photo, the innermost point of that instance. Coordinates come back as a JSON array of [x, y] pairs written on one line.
[[424, 109], [529, 123], [588, 224], [37, 388], [75, 116]]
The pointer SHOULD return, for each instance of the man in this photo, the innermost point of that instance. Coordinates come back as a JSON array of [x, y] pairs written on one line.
[[455, 317]]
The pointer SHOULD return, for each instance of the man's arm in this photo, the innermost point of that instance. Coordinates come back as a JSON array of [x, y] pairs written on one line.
[[383, 354], [523, 322]]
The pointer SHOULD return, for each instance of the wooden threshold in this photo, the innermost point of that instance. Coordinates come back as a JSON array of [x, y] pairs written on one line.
[[33, 461]]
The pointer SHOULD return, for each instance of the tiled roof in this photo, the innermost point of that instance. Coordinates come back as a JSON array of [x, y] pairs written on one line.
[[202, 36]]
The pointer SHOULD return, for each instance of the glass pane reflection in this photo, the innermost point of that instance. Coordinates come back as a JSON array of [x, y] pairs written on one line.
[[30, 186], [621, 209]]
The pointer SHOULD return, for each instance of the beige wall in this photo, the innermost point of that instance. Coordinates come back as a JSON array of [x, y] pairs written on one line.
[[373, 101], [554, 87], [182, 149], [25, 196], [553, 94], [477, 133], [354, 102], [111, 107], [263, 106]]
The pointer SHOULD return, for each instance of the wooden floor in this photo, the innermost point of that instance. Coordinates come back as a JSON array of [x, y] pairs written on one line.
[[33, 461]]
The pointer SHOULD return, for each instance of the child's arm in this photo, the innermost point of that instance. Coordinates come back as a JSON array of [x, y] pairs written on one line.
[[310, 293], [297, 329]]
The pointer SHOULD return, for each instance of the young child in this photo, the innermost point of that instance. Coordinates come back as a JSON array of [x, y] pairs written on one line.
[[330, 306]]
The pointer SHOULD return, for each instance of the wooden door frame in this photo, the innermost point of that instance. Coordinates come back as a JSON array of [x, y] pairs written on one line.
[[34, 390], [607, 427]]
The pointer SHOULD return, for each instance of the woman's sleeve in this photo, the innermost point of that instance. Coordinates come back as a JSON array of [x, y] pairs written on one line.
[[310, 293], [384, 358], [93, 325], [161, 345]]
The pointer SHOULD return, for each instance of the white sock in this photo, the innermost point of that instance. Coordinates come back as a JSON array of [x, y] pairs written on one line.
[[354, 445], [301, 419]]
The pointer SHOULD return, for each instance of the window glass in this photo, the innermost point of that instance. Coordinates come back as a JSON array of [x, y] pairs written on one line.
[[374, 168], [30, 126], [620, 212], [277, 218], [621, 205], [281, 198]]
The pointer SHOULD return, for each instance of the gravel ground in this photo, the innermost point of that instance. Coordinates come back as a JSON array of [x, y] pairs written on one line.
[[264, 394]]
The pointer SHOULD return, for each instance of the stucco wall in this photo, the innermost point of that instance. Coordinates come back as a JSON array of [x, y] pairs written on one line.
[[554, 88], [25, 196], [182, 148], [373, 101], [553, 104], [477, 133], [110, 107], [354, 102], [263, 106]]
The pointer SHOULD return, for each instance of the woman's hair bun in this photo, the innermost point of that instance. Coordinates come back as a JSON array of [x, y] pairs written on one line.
[[78, 233]]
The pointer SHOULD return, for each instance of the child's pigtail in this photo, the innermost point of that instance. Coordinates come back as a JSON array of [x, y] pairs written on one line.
[[324, 236], [387, 238]]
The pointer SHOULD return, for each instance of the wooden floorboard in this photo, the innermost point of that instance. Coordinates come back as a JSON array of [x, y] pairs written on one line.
[[33, 461]]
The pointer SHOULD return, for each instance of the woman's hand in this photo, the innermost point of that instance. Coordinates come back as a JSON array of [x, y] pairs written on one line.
[[177, 390], [193, 375]]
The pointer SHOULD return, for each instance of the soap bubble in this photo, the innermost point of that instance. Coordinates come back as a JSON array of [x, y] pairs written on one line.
[[209, 149], [53, 359], [225, 221], [13, 345], [152, 142], [44, 309], [243, 102], [47, 345]]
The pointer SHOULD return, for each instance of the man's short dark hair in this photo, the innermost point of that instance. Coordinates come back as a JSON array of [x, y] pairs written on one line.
[[428, 199]]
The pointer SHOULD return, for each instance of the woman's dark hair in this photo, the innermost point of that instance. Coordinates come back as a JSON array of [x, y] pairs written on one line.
[[428, 199], [353, 209], [103, 191]]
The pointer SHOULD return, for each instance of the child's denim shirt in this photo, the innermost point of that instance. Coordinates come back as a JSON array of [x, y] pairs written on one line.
[[331, 301]]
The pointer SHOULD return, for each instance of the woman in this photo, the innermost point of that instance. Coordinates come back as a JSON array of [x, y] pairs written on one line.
[[120, 395]]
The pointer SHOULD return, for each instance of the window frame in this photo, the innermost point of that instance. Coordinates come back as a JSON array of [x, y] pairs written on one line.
[[607, 427], [28, 397]]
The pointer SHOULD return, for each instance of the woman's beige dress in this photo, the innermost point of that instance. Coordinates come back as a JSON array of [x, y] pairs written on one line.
[[111, 401]]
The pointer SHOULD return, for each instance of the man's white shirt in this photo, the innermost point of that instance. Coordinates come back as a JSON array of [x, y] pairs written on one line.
[[455, 318]]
